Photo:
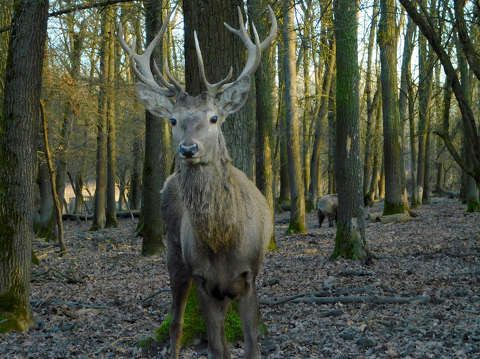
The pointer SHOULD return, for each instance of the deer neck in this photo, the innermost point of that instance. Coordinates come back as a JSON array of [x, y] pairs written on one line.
[[210, 196]]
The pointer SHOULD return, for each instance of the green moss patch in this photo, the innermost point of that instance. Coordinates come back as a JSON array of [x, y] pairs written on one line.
[[473, 206], [194, 326], [392, 208]]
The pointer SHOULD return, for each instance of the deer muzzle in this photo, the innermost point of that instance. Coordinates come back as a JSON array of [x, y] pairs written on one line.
[[189, 151]]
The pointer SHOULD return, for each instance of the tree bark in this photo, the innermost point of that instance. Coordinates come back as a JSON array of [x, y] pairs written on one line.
[[404, 99], [350, 238], [220, 50], [370, 100], [395, 199], [297, 192], [19, 127], [322, 116], [158, 151], [111, 210], [99, 218], [53, 186]]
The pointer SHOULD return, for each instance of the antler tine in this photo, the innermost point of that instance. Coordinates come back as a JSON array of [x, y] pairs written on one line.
[[173, 79], [141, 64], [162, 78], [211, 88], [254, 48], [273, 30]]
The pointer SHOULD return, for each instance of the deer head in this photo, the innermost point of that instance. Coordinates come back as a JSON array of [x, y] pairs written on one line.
[[196, 121]]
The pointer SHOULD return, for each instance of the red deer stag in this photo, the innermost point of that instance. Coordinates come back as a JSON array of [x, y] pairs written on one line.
[[218, 222]]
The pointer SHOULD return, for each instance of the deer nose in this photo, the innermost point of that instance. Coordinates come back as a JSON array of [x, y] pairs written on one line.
[[188, 151]]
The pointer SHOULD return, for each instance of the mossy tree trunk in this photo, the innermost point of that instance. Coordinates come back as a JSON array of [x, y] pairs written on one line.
[[6, 7], [350, 238], [19, 125], [395, 196], [297, 192]]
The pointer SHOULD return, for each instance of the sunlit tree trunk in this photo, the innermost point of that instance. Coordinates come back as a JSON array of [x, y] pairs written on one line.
[[19, 125], [297, 192], [265, 106], [395, 199]]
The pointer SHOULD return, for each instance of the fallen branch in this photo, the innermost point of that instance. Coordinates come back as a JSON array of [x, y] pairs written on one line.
[[303, 298], [163, 290], [348, 273], [365, 299]]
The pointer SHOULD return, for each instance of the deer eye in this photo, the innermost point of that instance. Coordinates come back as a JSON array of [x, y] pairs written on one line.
[[173, 121], [213, 119]]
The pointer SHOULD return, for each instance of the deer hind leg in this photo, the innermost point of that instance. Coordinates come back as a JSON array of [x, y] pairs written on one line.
[[180, 282], [215, 311], [248, 310]]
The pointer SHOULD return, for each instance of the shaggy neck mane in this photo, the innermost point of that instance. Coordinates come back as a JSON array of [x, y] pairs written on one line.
[[211, 198]]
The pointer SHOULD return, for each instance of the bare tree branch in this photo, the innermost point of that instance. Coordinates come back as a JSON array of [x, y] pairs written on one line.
[[467, 46], [78, 8], [434, 39]]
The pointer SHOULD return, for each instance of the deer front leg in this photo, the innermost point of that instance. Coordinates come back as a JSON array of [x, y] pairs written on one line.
[[180, 282], [215, 310], [248, 310]]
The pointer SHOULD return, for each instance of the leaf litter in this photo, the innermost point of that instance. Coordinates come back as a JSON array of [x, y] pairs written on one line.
[[102, 298]]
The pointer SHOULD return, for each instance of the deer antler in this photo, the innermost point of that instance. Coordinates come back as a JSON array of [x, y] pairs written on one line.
[[254, 52], [142, 68]]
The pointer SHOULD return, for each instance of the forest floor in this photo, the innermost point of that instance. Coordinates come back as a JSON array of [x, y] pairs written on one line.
[[102, 298]]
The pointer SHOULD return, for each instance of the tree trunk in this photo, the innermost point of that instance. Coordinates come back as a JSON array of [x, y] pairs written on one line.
[[369, 99], [158, 151], [322, 116], [424, 96], [136, 179], [470, 191], [332, 187], [395, 201], [111, 210], [6, 8], [19, 127], [297, 192], [99, 218], [373, 193], [220, 50], [53, 186], [404, 98], [350, 238], [284, 197]]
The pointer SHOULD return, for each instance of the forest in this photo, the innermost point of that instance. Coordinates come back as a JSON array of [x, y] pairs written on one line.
[[318, 198]]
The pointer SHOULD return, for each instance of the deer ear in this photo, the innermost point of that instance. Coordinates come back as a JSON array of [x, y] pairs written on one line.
[[158, 104], [234, 97]]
